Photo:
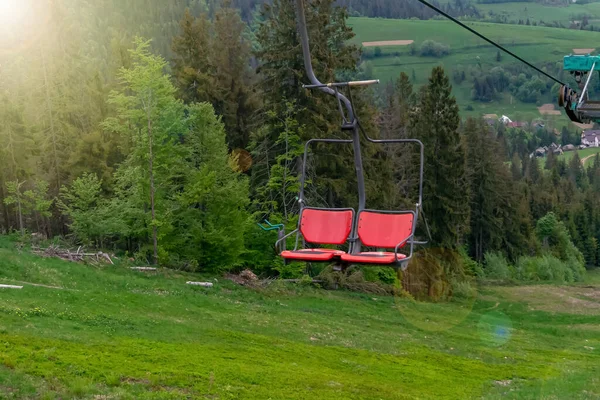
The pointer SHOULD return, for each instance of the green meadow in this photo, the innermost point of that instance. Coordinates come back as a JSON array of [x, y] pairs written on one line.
[[533, 43], [79, 331]]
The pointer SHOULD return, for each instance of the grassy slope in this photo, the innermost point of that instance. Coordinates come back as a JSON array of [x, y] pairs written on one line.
[[536, 44], [115, 333], [542, 12], [583, 154]]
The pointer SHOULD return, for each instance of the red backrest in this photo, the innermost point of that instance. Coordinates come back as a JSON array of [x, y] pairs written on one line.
[[326, 226], [384, 230]]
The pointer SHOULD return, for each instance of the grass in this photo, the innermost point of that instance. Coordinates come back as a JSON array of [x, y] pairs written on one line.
[[113, 333], [541, 12], [587, 154], [536, 44]]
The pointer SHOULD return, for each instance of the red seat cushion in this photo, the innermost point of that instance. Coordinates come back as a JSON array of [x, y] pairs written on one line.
[[311, 254], [326, 226], [372, 257], [384, 230]]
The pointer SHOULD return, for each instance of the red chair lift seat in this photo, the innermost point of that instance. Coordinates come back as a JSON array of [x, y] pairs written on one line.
[[322, 226], [382, 230]]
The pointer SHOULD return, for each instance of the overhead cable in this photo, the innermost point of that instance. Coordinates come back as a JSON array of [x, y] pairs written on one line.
[[424, 2]]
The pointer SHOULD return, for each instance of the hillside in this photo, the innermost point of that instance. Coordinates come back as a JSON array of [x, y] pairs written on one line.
[[536, 44], [108, 332], [538, 12]]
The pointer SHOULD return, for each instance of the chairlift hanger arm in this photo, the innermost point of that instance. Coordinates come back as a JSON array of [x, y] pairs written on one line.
[[303, 32]]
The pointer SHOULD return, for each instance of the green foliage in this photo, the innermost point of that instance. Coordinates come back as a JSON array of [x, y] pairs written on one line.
[[431, 48], [278, 194], [496, 266], [89, 213], [445, 178], [210, 212], [384, 275], [490, 190], [555, 238]]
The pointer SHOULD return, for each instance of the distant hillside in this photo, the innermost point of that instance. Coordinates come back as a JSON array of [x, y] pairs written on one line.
[[468, 58]]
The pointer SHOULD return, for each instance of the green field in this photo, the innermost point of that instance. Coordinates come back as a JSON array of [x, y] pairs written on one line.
[[585, 154], [536, 44], [541, 12], [110, 333]]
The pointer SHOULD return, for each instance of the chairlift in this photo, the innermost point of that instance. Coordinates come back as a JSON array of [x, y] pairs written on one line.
[[386, 232], [579, 107]]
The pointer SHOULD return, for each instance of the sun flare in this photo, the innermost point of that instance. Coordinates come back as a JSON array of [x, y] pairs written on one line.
[[13, 11]]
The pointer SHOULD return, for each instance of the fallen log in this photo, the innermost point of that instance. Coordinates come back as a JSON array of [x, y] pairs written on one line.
[[203, 284], [143, 268], [11, 287]]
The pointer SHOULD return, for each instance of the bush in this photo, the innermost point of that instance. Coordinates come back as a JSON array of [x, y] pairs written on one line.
[[259, 255], [380, 274], [548, 268], [496, 266], [462, 289], [430, 48]]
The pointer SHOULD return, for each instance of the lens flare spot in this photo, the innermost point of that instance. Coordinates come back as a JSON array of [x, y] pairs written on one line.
[[495, 328]]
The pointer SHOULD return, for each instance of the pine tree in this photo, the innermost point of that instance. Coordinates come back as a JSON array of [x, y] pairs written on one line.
[[435, 123], [515, 168], [488, 181], [233, 96], [192, 69]]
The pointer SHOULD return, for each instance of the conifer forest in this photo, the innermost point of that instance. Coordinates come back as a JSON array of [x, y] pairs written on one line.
[[166, 131]]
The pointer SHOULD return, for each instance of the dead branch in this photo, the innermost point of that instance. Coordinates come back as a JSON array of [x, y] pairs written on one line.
[[54, 251]]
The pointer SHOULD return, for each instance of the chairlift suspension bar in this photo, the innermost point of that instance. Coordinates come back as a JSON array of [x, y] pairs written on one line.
[[587, 82], [358, 164]]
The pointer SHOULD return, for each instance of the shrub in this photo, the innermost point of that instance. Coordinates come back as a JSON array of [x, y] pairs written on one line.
[[380, 274], [496, 266], [430, 48], [462, 289], [548, 268]]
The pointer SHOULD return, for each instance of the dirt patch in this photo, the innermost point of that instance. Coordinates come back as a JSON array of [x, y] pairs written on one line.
[[245, 278], [584, 159], [548, 109], [583, 126], [490, 116], [560, 299], [583, 51], [388, 43]]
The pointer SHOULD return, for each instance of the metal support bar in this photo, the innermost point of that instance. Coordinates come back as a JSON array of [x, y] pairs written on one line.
[[351, 83], [302, 30], [587, 82]]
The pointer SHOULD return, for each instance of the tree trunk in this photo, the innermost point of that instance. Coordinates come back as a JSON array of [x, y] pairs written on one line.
[[20, 214], [4, 208], [52, 131], [150, 170]]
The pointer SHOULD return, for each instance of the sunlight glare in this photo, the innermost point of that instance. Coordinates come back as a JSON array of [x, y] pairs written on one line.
[[12, 12]]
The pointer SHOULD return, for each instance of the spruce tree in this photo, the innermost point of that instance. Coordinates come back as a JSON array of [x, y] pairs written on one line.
[[233, 96], [486, 189], [192, 69], [445, 187]]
